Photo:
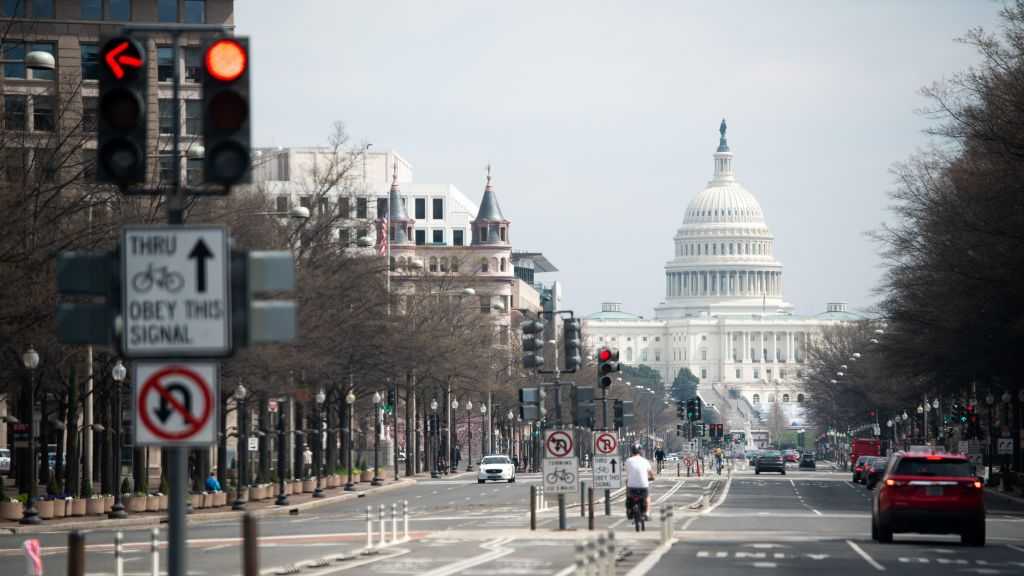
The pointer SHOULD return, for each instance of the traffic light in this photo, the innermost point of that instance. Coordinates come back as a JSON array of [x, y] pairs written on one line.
[[622, 412], [583, 406], [121, 130], [391, 396], [607, 364], [679, 430], [531, 406], [700, 430], [693, 409], [533, 344], [681, 409], [572, 334], [226, 110]]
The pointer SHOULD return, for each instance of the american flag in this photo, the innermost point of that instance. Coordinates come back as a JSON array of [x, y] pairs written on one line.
[[382, 237]]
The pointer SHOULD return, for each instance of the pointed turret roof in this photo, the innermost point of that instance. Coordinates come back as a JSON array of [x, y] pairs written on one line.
[[396, 210], [489, 208]]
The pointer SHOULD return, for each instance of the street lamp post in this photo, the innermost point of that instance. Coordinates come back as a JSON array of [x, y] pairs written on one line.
[[469, 436], [30, 515], [483, 429], [452, 443], [350, 400], [320, 398], [243, 447], [282, 498], [117, 510], [509, 435], [433, 441], [990, 400], [376, 440]]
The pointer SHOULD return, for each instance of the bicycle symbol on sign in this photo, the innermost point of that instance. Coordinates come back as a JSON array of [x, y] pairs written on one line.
[[161, 277], [561, 475]]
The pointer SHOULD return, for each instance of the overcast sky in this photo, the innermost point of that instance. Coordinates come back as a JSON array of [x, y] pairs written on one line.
[[600, 118]]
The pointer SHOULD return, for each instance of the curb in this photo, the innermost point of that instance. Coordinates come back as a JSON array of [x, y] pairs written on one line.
[[1002, 494], [201, 518]]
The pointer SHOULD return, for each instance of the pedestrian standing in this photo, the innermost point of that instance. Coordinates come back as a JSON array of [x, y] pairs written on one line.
[[307, 461]]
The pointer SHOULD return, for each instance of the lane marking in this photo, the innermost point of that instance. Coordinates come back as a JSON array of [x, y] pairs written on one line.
[[816, 512], [1017, 548], [647, 563], [865, 556]]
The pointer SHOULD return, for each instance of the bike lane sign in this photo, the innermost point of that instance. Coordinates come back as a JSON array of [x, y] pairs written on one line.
[[607, 462], [560, 475], [175, 290]]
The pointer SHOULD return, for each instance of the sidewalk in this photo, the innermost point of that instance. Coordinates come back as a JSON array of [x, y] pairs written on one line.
[[296, 502]]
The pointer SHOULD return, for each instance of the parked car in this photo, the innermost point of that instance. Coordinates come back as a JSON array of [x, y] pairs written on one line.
[[770, 461], [876, 472], [858, 468], [791, 456], [496, 468], [5, 460], [807, 462], [931, 493]]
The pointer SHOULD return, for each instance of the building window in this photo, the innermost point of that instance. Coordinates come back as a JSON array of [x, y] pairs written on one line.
[[629, 354], [14, 52], [90, 61], [283, 168], [503, 265], [344, 210], [455, 264], [281, 203], [768, 373], [193, 117], [703, 354], [502, 232], [306, 201], [657, 338], [785, 398], [757, 373], [438, 209], [165, 165], [92, 10], [421, 208], [444, 264], [14, 112], [382, 208], [799, 398], [167, 10], [483, 233], [344, 236], [193, 64], [438, 236], [164, 63], [757, 398], [483, 265], [43, 114], [657, 356], [485, 303], [643, 355], [165, 124], [703, 373], [433, 264], [457, 238], [119, 10], [89, 112], [14, 8], [195, 11], [643, 339], [41, 8], [421, 237], [194, 171], [782, 373], [739, 373], [361, 208]]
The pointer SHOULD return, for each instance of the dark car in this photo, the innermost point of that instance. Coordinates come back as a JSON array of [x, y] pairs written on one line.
[[858, 468], [929, 493], [875, 472], [770, 461], [807, 462]]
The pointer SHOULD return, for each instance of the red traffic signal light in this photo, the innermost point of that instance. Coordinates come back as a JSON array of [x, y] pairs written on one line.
[[122, 55], [604, 355], [226, 111], [226, 60], [121, 143]]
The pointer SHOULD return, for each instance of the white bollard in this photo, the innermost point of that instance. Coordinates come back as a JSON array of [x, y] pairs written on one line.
[[154, 552], [581, 560], [369, 527], [383, 526], [118, 558], [405, 519], [394, 522], [602, 555], [592, 556], [611, 553]]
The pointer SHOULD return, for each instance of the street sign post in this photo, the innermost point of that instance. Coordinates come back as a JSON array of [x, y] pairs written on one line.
[[175, 403], [1004, 446], [254, 444], [607, 462], [175, 292], [558, 444], [561, 468]]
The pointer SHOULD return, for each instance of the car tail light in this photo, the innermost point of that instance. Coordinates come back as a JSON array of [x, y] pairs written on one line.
[[891, 482], [933, 457], [977, 484]]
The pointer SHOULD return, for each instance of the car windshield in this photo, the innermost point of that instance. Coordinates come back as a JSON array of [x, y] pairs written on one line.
[[925, 467], [496, 460], [771, 454], [808, 456]]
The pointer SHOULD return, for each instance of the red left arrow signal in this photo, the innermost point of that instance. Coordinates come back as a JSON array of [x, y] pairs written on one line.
[[116, 60]]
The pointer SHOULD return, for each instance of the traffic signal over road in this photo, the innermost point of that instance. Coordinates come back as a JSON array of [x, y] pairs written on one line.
[[607, 364], [533, 344], [681, 409], [622, 412], [121, 130], [572, 336], [693, 413], [531, 405], [226, 111], [584, 411]]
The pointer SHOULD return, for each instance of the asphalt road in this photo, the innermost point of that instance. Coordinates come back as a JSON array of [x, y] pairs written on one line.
[[798, 523]]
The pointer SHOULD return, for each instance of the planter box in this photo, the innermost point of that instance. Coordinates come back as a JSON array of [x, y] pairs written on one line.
[[108, 503], [297, 487], [163, 502], [197, 501], [45, 509], [60, 508], [135, 503], [308, 485], [366, 476], [332, 481], [96, 506], [206, 500], [78, 507], [152, 503], [220, 498], [11, 510]]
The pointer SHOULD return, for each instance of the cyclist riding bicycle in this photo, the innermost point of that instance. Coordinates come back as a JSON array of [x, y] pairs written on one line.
[[659, 456], [639, 475]]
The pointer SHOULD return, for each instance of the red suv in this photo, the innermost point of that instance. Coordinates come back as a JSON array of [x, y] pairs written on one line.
[[930, 493]]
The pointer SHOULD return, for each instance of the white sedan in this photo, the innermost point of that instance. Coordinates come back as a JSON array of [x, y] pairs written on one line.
[[496, 468]]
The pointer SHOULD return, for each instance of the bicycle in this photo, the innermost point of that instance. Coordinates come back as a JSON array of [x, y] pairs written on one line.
[[160, 277], [637, 509], [561, 475]]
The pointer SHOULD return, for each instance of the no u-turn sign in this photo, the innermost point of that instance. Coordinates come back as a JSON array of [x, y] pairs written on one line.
[[175, 403]]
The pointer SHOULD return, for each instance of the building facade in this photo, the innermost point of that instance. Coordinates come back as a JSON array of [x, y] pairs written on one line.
[[724, 316]]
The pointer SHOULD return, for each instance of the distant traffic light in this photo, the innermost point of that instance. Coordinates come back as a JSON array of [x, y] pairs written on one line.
[[693, 413], [607, 364], [681, 409], [533, 343], [572, 335], [622, 412], [584, 411], [121, 130], [226, 111], [530, 404]]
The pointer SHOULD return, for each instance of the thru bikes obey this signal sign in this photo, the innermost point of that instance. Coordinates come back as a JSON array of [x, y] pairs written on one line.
[[175, 288]]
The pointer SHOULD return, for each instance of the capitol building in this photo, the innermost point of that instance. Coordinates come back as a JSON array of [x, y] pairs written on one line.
[[724, 315]]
